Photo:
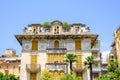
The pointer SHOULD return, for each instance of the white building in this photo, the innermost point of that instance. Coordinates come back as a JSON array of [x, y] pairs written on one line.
[[45, 48]]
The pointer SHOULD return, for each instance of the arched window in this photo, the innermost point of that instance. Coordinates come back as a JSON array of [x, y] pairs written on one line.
[[56, 30], [56, 44]]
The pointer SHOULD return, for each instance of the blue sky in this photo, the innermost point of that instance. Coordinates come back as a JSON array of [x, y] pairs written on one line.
[[102, 16]]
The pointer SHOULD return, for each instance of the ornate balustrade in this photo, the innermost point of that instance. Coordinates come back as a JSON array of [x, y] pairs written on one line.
[[78, 67], [57, 66], [33, 68], [56, 50]]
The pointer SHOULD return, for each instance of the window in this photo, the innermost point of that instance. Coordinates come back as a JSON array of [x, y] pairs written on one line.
[[33, 61], [32, 76], [6, 72], [56, 30], [7, 67], [77, 45], [13, 67], [34, 45], [56, 44], [59, 58], [19, 69]]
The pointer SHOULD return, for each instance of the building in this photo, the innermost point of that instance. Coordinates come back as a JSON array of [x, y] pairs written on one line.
[[97, 55], [46, 47], [10, 63], [104, 68], [115, 52], [105, 60]]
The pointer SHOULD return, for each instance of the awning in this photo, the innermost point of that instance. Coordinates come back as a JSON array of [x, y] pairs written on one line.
[[96, 70]]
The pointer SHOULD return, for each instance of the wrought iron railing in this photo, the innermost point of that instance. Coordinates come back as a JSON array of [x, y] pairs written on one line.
[[95, 49], [57, 66], [56, 50]]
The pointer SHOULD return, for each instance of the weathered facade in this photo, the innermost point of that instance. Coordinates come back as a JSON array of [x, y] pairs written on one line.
[[10, 63], [46, 47], [115, 52]]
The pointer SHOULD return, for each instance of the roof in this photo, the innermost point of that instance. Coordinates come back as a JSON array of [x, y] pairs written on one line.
[[93, 37]]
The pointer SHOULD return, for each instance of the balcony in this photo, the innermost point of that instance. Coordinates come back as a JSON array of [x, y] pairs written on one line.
[[78, 67], [57, 66], [104, 68], [95, 49], [56, 50], [97, 58], [33, 68]]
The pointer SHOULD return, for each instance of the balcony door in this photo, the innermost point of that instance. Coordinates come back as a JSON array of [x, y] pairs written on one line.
[[55, 57], [32, 76], [34, 45], [56, 44]]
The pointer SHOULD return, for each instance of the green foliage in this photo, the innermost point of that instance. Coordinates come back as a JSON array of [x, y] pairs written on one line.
[[8, 77], [70, 58], [70, 77], [1, 75], [113, 72], [112, 66], [46, 75], [103, 77], [66, 25], [109, 76], [46, 24], [89, 60]]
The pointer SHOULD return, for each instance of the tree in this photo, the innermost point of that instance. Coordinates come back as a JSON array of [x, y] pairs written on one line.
[[89, 62], [70, 58], [113, 72], [66, 26], [46, 24], [46, 75], [112, 66], [1, 75], [8, 77]]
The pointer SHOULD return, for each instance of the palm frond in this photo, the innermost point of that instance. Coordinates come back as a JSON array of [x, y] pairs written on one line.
[[89, 60]]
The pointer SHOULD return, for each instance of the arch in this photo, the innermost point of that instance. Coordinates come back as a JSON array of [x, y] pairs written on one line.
[[56, 44], [62, 73]]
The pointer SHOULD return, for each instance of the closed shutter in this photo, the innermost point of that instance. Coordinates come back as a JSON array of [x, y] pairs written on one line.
[[79, 61], [77, 45], [34, 45]]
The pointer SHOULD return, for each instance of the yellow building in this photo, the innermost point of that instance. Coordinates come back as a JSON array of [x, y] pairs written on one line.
[[10, 63], [116, 45], [46, 47]]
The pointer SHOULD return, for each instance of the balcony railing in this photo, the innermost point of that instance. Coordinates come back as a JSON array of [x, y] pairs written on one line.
[[33, 68], [95, 49], [97, 58], [78, 67], [57, 66], [56, 50], [104, 68]]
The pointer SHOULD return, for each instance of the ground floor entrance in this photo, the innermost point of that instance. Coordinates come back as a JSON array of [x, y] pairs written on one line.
[[79, 74], [32, 76]]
